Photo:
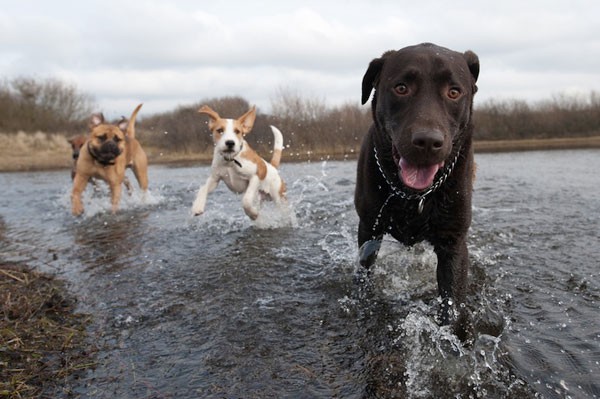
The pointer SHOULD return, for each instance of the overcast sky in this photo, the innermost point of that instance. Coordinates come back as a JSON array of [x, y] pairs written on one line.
[[170, 53]]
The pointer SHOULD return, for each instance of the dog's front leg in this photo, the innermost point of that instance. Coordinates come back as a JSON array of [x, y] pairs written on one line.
[[250, 197], [200, 202], [128, 185], [115, 194], [452, 271], [79, 183]]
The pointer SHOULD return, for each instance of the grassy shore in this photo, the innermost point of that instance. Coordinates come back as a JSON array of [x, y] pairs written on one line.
[[51, 152]]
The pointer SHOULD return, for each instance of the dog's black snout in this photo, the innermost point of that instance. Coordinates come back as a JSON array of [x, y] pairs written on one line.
[[230, 144], [430, 140]]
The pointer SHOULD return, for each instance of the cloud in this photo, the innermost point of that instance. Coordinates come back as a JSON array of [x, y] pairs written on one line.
[[181, 52]]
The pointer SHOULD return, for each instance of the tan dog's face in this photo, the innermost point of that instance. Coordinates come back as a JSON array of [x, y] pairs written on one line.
[[228, 134], [107, 141]]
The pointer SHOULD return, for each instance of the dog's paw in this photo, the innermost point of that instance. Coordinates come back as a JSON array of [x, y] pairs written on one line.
[[77, 210], [368, 252], [253, 214], [197, 210]]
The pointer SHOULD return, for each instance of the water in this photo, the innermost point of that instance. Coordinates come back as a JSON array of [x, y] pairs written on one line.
[[218, 306]]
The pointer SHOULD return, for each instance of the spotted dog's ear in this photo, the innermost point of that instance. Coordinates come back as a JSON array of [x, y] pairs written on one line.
[[247, 120], [212, 114]]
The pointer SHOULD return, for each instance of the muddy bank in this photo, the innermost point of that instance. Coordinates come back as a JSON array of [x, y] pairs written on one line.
[[42, 339]]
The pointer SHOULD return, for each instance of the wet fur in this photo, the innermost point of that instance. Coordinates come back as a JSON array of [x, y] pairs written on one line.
[[105, 155], [236, 164], [400, 114]]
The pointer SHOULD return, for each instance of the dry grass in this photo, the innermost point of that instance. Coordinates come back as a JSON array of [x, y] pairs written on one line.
[[42, 339], [41, 151], [34, 151]]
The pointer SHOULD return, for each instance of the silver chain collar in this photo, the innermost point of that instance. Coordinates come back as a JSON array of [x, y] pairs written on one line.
[[396, 192]]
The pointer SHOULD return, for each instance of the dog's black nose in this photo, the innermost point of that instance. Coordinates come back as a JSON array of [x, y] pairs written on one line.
[[430, 140], [230, 144]]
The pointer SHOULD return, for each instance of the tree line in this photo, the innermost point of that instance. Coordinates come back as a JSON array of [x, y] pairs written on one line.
[[50, 106], [309, 125]]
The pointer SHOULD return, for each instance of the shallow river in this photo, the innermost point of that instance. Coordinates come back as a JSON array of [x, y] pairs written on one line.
[[218, 306]]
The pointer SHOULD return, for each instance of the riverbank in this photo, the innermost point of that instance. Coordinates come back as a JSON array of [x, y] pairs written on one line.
[[42, 339], [40, 151]]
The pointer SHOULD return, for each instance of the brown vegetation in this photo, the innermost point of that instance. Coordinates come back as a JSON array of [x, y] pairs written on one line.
[[562, 116], [50, 106], [42, 340], [311, 128]]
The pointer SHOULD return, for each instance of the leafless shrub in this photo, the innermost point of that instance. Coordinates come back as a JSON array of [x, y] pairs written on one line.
[[561, 116], [309, 125], [313, 127], [49, 105], [184, 130]]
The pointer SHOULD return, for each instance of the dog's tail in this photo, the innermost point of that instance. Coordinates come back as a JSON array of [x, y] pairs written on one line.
[[277, 146], [131, 122]]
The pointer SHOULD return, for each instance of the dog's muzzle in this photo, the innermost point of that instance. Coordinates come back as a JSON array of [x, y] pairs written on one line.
[[229, 153], [106, 154]]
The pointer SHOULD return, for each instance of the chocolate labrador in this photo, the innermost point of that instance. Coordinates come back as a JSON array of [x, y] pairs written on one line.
[[415, 170]]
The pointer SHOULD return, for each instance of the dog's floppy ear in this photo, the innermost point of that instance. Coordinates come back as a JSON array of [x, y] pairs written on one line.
[[96, 119], [247, 120], [371, 78], [473, 63]]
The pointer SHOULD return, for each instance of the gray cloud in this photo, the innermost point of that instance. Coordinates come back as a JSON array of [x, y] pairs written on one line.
[[172, 53]]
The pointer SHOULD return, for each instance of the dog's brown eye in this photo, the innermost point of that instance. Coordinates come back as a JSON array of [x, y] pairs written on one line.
[[401, 89], [116, 139], [102, 138], [454, 93], [237, 131], [220, 130]]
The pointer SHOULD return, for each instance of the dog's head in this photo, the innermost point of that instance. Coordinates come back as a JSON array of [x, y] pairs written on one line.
[[423, 101], [228, 134], [76, 144], [107, 141]]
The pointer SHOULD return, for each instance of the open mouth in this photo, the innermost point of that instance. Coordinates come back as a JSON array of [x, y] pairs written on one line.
[[228, 154], [416, 177]]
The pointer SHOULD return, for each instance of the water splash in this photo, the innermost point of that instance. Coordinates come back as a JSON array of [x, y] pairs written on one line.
[[97, 200]]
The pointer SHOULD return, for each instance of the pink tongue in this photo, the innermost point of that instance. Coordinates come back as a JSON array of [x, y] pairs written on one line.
[[418, 177]]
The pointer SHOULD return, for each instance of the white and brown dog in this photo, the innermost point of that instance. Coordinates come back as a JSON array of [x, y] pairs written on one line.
[[239, 166]]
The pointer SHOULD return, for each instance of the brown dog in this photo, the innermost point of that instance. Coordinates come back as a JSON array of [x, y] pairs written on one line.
[[76, 143], [416, 166], [105, 155]]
